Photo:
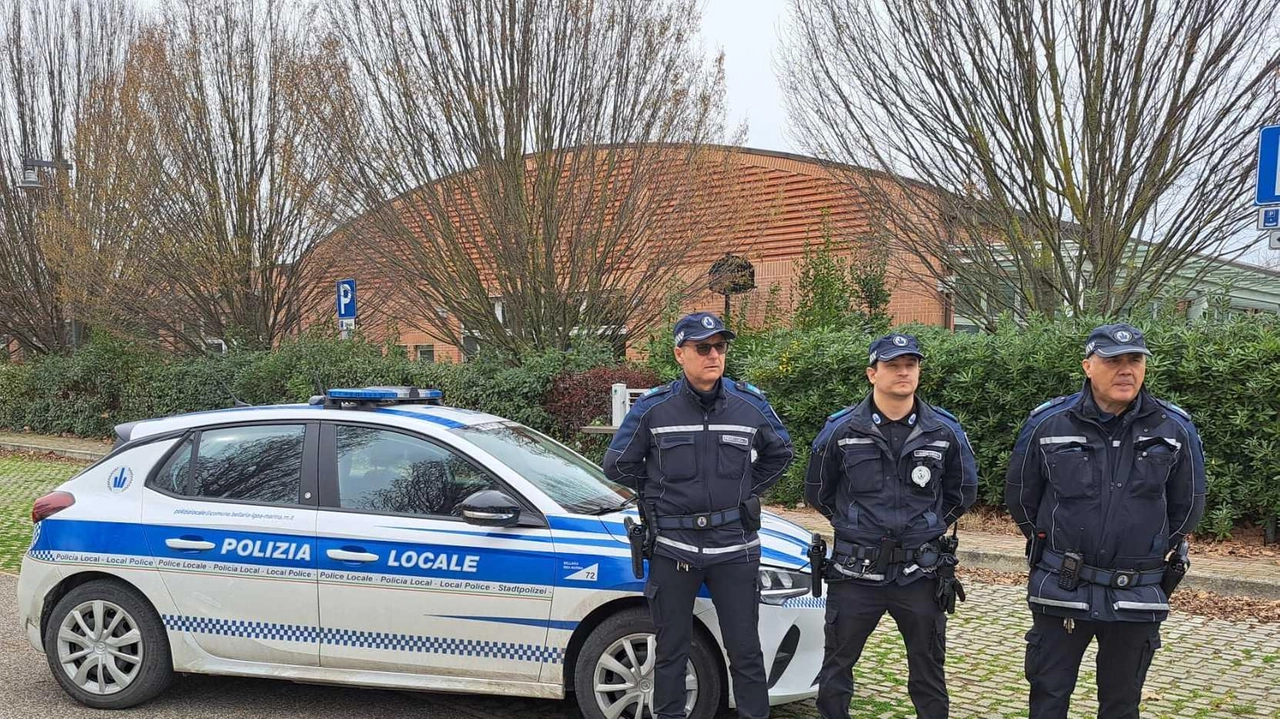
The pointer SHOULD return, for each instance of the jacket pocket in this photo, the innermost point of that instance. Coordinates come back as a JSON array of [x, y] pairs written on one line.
[[677, 456], [1073, 472], [1153, 460], [732, 452], [862, 469]]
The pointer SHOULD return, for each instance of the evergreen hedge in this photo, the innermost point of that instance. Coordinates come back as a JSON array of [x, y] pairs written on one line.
[[1226, 374]]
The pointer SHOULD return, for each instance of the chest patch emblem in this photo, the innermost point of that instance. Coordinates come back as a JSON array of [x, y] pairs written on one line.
[[920, 475]]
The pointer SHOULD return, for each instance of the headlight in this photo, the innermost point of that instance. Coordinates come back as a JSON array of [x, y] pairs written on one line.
[[779, 585]]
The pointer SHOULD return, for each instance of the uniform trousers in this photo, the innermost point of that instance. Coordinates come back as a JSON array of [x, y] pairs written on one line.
[[854, 609], [1125, 650], [671, 589]]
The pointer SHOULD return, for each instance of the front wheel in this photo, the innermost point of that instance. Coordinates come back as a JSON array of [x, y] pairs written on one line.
[[613, 677], [107, 647]]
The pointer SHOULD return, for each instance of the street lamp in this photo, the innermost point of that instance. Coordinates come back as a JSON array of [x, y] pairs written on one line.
[[31, 180]]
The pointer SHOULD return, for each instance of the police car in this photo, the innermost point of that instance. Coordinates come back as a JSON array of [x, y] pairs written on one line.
[[372, 537]]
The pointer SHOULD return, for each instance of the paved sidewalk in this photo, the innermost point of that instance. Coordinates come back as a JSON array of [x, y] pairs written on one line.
[[70, 447]]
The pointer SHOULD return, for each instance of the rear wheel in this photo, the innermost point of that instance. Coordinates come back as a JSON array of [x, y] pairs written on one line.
[[107, 647], [613, 678]]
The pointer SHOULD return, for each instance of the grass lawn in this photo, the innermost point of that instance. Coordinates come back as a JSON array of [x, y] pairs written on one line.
[[23, 479]]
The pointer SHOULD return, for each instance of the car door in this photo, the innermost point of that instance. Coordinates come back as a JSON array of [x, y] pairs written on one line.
[[406, 585], [230, 520]]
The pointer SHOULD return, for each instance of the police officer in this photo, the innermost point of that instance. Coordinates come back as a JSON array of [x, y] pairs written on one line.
[[1104, 483], [890, 474], [701, 451]]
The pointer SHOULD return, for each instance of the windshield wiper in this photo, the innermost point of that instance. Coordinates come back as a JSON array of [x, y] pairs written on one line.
[[613, 508]]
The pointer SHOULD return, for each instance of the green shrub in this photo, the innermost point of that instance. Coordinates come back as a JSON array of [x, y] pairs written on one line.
[[1224, 374]]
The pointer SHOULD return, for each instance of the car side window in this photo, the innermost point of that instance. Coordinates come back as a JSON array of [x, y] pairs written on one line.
[[253, 464], [173, 476], [385, 471]]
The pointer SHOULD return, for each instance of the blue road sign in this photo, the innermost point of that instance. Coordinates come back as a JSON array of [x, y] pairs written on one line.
[[1268, 192], [346, 299], [1269, 218]]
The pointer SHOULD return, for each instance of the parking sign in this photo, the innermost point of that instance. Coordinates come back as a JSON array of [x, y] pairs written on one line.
[[1268, 181], [346, 299]]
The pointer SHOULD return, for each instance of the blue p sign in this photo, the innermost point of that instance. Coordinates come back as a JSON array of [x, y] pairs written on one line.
[[346, 299], [1269, 218]]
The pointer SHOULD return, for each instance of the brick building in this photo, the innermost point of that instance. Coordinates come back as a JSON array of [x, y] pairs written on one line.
[[781, 203]]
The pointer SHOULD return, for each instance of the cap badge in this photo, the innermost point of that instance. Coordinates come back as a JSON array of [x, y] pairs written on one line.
[[1123, 336], [708, 323], [900, 340], [920, 475], [702, 522]]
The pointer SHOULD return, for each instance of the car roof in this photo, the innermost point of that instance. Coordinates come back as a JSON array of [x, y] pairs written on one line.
[[422, 417]]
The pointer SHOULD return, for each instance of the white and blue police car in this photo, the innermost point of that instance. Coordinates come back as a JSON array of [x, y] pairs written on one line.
[[375, 538]]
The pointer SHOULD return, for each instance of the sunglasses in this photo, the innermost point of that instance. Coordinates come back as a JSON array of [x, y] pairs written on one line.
[[704, 348]]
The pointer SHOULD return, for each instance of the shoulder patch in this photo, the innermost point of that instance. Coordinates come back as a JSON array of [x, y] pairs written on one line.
[[945, 413], [1174, 408], [748, 387], [655, 391], [839, 414], [1051, 403]]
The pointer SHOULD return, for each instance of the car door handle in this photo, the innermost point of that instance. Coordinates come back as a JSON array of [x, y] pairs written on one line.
[[196, 545], [343, 555]]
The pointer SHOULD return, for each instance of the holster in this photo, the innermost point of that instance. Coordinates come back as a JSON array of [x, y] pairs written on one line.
[[1175, 569], [1035, 548], [636, 538], [949, 587], [817, 563], [750, 514]]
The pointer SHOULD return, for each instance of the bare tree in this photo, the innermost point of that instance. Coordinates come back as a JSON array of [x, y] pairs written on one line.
[[237, 196], [548, 162], [61, 85], [1048, 155]]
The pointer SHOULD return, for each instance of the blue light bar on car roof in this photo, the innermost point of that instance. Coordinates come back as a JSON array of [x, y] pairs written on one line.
[[379, 396]]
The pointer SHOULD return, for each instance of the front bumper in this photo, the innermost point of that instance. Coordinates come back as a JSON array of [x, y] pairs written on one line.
[[791, 638]]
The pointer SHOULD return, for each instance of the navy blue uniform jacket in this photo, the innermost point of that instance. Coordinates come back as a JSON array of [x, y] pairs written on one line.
[[688, 460], [1120, 499], [869, 494]]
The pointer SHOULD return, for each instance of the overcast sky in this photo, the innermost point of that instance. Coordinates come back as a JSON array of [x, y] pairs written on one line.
[[747, 31]]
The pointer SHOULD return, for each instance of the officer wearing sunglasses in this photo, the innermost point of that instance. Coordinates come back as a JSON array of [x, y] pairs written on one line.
[[701, 451]]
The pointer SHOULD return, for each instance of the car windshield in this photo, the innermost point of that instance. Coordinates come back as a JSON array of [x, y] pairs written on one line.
[[564, 475]]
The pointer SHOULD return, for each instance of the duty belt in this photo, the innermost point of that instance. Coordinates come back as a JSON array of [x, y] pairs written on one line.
[[845, 552], [706, 520], [1117, 578]]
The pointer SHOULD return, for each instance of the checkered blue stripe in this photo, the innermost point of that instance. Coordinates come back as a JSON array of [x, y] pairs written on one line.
[[366, 640], [42, 555], [806, 602], [241, 628]]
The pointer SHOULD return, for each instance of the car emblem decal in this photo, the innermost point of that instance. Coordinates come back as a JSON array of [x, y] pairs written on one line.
[[119, 479]]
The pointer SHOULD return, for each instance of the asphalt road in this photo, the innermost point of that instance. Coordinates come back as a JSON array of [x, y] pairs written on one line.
[[27, 690]]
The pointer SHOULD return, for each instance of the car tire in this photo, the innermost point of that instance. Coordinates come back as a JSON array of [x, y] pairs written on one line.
[[105, 630], [634, 695]]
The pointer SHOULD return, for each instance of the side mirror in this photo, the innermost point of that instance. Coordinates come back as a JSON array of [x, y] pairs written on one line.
[[490, 508]]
